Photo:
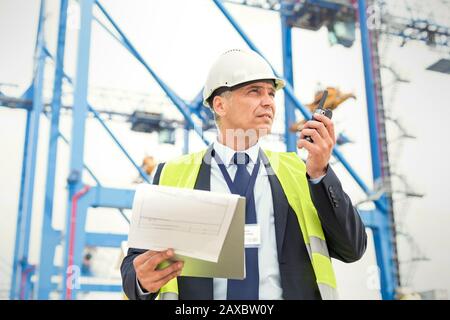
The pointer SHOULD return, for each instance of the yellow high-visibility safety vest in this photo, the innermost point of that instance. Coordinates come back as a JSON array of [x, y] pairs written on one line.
[[291, 172]]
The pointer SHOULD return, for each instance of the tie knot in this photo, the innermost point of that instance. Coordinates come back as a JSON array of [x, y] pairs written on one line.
[[241, 158]]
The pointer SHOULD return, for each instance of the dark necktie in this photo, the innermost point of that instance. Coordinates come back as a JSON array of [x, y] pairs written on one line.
[[247, 289]]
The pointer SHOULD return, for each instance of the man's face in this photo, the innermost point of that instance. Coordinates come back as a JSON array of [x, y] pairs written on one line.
[[249, 107]]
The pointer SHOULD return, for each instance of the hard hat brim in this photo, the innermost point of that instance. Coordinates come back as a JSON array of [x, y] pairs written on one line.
[[278, 83]]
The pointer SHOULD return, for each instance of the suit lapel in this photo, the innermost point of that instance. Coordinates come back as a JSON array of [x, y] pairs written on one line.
[[203, 181], [280, 206]]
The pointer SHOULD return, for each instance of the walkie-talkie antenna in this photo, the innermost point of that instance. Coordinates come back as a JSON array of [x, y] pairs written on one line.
[[322, 100], [327, 112]]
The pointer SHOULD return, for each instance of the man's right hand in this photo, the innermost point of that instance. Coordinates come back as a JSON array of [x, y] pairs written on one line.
[[150, 278]]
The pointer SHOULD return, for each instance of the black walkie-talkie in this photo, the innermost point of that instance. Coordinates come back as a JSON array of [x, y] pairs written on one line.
[[326, 112]]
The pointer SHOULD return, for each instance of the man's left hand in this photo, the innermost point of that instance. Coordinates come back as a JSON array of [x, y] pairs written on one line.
[[321, 132]]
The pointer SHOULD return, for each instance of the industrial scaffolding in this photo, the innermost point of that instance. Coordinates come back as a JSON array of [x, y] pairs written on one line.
[[81, 197]]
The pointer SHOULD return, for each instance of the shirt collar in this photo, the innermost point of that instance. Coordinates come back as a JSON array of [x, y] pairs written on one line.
[[226, 153]]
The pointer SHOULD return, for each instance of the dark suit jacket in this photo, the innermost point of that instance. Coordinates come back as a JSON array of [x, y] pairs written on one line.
[[344, 232]]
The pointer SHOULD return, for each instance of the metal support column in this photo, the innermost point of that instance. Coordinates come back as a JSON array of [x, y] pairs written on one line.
[[16, 269], [21, 272], [289, 109], [385, 250], [80, 108], [51, 237]]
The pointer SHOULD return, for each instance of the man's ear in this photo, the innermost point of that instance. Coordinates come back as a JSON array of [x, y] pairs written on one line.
[[219, 105]]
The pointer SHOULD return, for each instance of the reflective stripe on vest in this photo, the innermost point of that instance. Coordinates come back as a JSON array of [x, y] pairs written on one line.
[[291, 172]]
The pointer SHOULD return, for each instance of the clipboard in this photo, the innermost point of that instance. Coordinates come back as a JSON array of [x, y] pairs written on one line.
[[231, 263]]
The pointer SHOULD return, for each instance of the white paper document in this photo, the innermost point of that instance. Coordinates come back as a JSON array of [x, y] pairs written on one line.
[[194, 223]]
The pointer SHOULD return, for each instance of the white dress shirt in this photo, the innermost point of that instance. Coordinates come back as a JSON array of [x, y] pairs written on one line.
[[269, 272]]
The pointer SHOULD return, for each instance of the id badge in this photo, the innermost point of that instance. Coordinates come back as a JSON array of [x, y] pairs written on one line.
[[252, 237]]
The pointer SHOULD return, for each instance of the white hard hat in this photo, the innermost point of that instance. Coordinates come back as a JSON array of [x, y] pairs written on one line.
[[236, 67]]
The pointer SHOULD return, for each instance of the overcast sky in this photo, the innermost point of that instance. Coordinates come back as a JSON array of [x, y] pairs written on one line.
[[180, 39]]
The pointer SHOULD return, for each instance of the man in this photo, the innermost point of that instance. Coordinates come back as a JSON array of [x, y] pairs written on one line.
[[297, 212]]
